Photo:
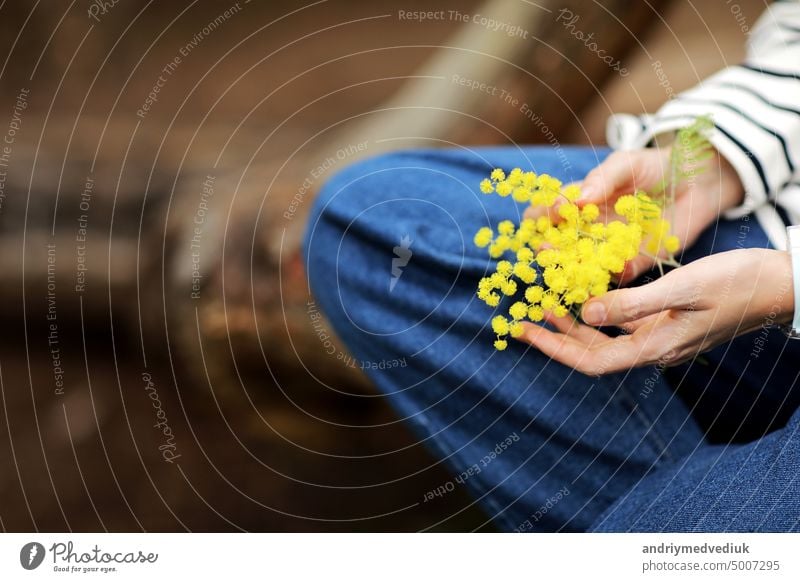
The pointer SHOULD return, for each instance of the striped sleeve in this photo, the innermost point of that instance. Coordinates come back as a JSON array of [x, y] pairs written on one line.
[[755, 107]]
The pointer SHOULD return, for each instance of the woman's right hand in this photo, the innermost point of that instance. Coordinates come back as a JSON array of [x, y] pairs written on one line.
[[676, 317]]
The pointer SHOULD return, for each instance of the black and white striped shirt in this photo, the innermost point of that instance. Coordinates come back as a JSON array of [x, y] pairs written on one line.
[[755, 107]]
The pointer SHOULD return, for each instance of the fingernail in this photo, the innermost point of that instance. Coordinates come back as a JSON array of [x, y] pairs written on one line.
[[588, 192], [594, 313]]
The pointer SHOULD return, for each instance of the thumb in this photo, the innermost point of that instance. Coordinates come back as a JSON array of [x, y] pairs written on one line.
[[602, 181], [672, 291], [624, 172]]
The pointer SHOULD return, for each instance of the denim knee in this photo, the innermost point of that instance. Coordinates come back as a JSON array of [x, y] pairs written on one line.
[[343, 197]]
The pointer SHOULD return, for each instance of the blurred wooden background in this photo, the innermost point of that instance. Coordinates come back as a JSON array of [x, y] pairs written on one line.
[[272, 433]]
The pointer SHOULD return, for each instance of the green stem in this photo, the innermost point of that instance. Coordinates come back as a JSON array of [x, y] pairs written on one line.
[[590, 235], [672, 186], [662, 261]]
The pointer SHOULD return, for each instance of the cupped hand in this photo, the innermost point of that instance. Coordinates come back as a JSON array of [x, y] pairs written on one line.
[[673, 319], [699, 201]]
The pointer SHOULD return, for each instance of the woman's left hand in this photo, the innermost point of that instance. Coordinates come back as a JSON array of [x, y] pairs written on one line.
[[673, 319]]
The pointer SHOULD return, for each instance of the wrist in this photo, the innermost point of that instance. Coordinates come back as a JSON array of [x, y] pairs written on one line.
[[727, 180], [792, 327], [778, 265]]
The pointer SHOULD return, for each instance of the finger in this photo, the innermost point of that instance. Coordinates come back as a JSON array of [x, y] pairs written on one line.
[[570, 326], [635, 268], [534, 212], [692, 215], [667, 337], [672, 291], [690, 219], [633, 326], [614, 355], [558, 346], [605, 179], [624, 172]]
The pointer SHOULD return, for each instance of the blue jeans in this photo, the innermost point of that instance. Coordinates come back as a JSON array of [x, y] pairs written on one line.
[[707, 446]]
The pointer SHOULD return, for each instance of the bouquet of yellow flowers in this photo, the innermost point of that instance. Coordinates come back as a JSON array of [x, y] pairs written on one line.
[[562, 264]]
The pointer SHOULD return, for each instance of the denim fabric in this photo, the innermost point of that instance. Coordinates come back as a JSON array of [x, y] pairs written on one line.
[[542, 447]]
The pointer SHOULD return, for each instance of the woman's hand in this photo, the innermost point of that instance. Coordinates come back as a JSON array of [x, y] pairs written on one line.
[[698, 202], [688, 311]]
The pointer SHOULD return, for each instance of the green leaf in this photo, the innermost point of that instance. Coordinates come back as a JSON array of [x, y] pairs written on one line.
[[691, 148]]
